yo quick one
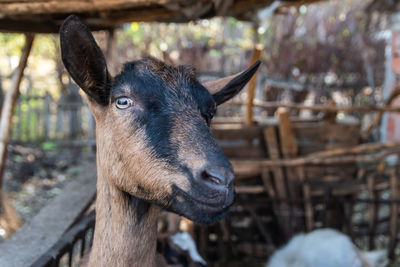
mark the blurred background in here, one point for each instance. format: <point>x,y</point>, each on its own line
<point>327,88</point>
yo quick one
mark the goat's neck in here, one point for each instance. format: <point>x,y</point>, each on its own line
<point>126,228</point>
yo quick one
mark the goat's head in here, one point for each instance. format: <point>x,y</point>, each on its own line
<point>152,123</point>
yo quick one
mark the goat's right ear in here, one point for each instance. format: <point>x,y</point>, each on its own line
<point>84,60</point>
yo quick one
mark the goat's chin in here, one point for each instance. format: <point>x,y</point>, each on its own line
<point>198,214</point>
<point>199,210</point>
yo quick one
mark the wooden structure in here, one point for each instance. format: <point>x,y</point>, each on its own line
<point>47,16</point>
<point>295,176</point>
<point>292,175</point>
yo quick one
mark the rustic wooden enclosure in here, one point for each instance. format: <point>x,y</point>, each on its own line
<point>292,175</point>
<point>296,176</point>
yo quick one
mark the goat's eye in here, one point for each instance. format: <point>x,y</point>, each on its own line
<point>123,102</point>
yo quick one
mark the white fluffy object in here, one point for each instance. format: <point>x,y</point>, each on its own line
<point>324,248</point>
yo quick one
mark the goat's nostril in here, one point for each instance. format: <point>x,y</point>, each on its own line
<point>212,178</point>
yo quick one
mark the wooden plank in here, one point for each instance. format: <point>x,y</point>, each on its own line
<point>394,213</point>
<point>249,189</point>
<point>236,132</point>
<point>245,151</point>
<point>45,229</point>
<point>251,88</point>
<point>349,188</point>
<point>372,211</point>
<point>273,150</point>
<point>308,209</point>
<point>289,149</point>
<point>287,137</point>
<point>308,130</point>
<point>274,154</point>
<point>324,133</point>
<point>267,181</point>
<point>326,108</point>
<point>310,160</point>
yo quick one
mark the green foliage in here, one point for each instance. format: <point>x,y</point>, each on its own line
<point>45,46</point>
<point>48,146</point>
<point>11,44</point>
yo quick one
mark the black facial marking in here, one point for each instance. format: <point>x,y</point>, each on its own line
<point>170,96</point>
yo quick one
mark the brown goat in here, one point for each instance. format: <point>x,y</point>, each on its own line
<point>154,147</point>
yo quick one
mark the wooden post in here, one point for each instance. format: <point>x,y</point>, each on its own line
<point>1,95</point>
<point>372,211</point>
<point>47,101</point>
<point>8,216</point>
<point>394,192</point>
<point>307,198</point>
<point>282,207</point>
<point>252,86</point>
<point>286,134</point>
<point>9,103</point>
<point>289,150</point>
<point>110,47</point>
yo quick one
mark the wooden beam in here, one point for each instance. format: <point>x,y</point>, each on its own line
<point>9,103</point>
<point>334,156</point>
<point>372,211</point>
<point>47,15</point>
<point>271,140</point>
<point>251,88</point>
<point>346,109</point>
<point>287,137</point>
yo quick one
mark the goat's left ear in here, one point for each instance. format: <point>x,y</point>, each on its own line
<point>84,60</point>
<point>225,88</point>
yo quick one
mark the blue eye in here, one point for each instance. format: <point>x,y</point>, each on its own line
<point>123,102</point>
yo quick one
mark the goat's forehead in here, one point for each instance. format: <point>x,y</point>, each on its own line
<point>153,76</point>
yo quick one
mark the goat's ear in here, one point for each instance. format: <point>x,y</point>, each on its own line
<point>225,88</point>
<point>84,60</point>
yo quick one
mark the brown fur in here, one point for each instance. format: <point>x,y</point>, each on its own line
<point>120,239</point>
<point>155,151</point>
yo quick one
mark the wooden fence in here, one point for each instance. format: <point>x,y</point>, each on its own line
<point>39,118</point>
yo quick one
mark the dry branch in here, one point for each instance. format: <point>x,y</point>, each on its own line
<point>336,156</point>
<point>8,217</point>
<point>364,109</point>
<point>9,103</point>
<point>379,116</point>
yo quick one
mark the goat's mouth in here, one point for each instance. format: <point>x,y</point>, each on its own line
<point>199,208</point>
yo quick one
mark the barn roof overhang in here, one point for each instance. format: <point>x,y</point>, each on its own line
<point>46,16</point>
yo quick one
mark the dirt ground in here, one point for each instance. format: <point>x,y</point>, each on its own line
<point>36,173</point>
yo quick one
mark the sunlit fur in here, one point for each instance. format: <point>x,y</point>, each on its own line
<point>166,133</point>
<point>156,153</point>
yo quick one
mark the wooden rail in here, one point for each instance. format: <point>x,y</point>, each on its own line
<point>347,109</point>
